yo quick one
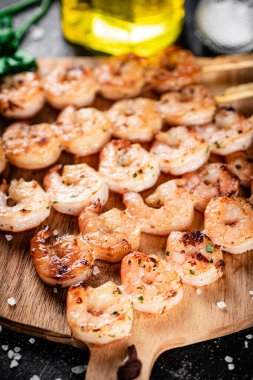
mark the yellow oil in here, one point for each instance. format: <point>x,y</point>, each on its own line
<point>117,27</point>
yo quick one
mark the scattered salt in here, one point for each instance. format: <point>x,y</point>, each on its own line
<point>32,341</point>
<point>246,344</point>
<point>8,237</point>
<point>198,291</point>
<point>231,367</point>
<point>249,336</point>
<point>79,369</point>
<point>251,292</point>
<point>228,359</point>
<point>14,363</point>
<point>35,377</point>
<point>17,349</point>
<point>10,354</point>
<point>17,356</point>
<point>5,347</point>
<point>55,290</point>
<point>55,232</point>
<point>37,33</point>
<point>11,301</point>
<point>221,305</point>
<point>96,271</point>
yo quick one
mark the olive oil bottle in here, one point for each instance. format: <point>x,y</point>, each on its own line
<point>117,27</point>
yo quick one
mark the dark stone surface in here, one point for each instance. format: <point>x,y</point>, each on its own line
<point>203,361</point>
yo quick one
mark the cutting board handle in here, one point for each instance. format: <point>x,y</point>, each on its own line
<point>105,360</point>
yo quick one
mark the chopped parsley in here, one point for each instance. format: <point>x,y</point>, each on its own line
<point>210,248</point>
<point>167,253</point>
<point>141,299</point>
<point>191,271</point>
<point>238,166</point>
<point>135,175</point>
<point>217,144</point>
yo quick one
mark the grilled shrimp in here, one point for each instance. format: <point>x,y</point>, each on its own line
<point>120,77</point>
<point>65,261</point>
<point>188,106</point>
<point>229,223</point>
<point>21,95</point>
<point>175,69</point>
<point>99,315</point>
<point>31,205</point>
<point>111,235</point>
<point>136,120</point>
<point>175,212</point>
<point>2,157</point>
<point>151,283</point>
<point>211,181</point>
<point>127,166</point>
<point>71,85</point>
<point>180,150</point>
<point>229,133</point>
<point>193,255</point>
<point>84,131</point>
<point>241,164</point>
<point>77,187</point>
<point>31,146</point>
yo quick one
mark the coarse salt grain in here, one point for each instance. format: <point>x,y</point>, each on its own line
<point>221,305</point>
<point>251,292</point>
<point>55,290</point>
<point>79,369</point>
<point>14,363</point>
<point>10,354</point>
<point>198,291</point>
<point>35,377</point>
<point>96,271</point>
<point>8,237</point>
<point>17,356</point>
<point>55,232</point>
<point>246,344</point>
<point>11,301</point>
<point>231,367</point>
<point>5,347</point>
<point>249,336</point>
<point>228,359</point>
<point>37,33</point>
<point>32,341</point>
<point>17,349</point>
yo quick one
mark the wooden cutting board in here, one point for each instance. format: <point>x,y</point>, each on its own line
<point>41,312</point>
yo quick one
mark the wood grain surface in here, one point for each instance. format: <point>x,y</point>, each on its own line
<point>41,312</point>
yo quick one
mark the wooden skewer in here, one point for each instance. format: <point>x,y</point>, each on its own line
<point>233,93</point>
<point>226,63</point>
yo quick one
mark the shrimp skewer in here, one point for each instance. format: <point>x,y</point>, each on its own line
<point>229,223</point>
<point>65,261</point>
<point>110,235</point>
<point>188,106</point>
<point>31,146</point>
<point>136,120</point>
<point>71,85</point>
<point>151,283</point>
<point>32,206</point>
<point>84,131</point>
<point>193,255</point>
<point>175,208</point>
<point>21,95</point>
<point>180,150</point>
<point>127,166</point>
<point>211,181</point>
<point>77,187</point>
<point>99,315</point>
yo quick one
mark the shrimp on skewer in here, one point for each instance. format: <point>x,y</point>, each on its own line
<point>127,166</point>
<point>65,261</point>
<point>180,150</point>
<point>151,283</point>
<point>188,106</point>
<point>99,315</point>
<point>175,212</point>
<point>175,69</point>
<point>241,164</point>
<point>77,187</point>
<point>31,146</point>
<point>229,223</point>
<point>84,131</point>
<point>70,85</point>
<point>21,95</point>
<point>111,235</point>
<point>2,157</point>
<point>211,181</point>
<point>229,133</point>
<point>120,77</point>
<point>32,205</point>
<point>136,120</point>
<point>193,255</point>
